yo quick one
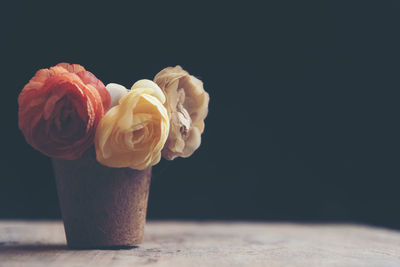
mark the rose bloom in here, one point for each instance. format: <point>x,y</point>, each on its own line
<point>60,108</point>
<point>133,133</point>
<point>187,105</point>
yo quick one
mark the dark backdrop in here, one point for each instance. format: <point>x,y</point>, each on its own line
<point>303,121</point>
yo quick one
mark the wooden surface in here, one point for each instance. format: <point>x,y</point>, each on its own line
<point>42,243</point>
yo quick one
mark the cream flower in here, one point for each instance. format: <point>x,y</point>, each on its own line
<point>187,105</point>
<point>116,92</point>
<point>133,133</point>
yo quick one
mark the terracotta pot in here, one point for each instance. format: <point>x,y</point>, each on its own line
<point>101,207</point>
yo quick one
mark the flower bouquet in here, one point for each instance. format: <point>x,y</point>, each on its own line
<point>103,141</point>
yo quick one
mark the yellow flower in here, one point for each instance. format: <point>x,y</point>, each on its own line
<point>133,133</point>
<point>187,105</point>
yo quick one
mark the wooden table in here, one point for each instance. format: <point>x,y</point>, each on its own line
<point>42,243</point>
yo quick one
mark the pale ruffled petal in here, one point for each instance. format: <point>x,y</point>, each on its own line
<point>187,104</point>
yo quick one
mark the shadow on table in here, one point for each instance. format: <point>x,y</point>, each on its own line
<point>39,247</point>
<point>13,246</point>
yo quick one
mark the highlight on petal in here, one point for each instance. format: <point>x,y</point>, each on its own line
<point>156,90</point>
<point>116,92</point>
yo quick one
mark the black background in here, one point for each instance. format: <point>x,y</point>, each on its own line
<point>304,114</point>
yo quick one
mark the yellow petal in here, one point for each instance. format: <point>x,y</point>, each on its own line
<point>148,84</point>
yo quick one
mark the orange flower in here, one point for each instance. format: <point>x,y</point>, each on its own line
<point>60,108</point>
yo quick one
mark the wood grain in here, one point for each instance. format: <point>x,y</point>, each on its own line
<point>42,243</point>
